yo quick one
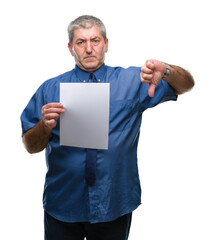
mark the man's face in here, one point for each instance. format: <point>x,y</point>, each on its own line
<point>88,48</point>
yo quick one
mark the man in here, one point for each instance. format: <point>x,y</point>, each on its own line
<point>77,206</point>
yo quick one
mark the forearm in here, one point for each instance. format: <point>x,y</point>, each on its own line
<point>180,79</point>
<point>36,138</point>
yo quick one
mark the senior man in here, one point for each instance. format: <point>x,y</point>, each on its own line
<point>92,192</point>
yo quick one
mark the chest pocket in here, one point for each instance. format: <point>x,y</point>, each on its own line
<point>121,113</point>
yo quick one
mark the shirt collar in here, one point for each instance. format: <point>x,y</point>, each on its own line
<point>83,76</point>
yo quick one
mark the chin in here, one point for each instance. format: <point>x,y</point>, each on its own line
<point>92,67</point>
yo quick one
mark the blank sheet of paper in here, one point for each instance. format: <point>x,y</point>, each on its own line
<point>85,122</point>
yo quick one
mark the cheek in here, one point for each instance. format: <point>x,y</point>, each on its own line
<point>80,53</point>
<point>101,52</point>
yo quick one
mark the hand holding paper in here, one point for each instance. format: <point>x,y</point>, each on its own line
<point>50,113</point>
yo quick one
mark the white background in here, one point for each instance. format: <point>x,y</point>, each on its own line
<point>176,149</point>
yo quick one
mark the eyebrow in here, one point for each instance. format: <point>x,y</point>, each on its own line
<point>82,39</point>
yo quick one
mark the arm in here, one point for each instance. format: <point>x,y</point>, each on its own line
<point>153,70</point>
<point>37,138</point>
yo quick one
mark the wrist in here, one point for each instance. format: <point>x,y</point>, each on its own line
<point>167,71</point>
<point>46,129</point>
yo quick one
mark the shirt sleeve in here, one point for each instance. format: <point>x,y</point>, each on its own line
<point>163,92</point>
<point>32,113</point>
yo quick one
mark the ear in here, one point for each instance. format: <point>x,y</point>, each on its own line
<point>106,45</point>
<point>70,49</point>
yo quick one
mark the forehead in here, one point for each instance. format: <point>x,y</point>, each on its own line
<point>87,33</point>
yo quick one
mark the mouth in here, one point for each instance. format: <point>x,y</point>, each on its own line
<point>89,57</point>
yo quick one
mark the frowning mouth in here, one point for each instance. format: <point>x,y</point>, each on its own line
<point>89,57</point>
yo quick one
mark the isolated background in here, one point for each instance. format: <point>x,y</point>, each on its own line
<point>176,149</point>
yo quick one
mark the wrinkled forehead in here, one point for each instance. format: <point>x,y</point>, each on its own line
<point>87,33</point>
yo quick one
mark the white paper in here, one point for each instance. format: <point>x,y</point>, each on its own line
<point>85,122</point>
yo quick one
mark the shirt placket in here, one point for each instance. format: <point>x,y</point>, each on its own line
<point>94,200</point>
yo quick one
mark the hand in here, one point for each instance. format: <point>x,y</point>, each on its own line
<point>50,114</point>
<point>152,72</point>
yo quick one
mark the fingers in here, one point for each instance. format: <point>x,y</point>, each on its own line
<point>150,64</point>
<point>50,113</point>
<point>151,90</point>
<point>147,71</point>
<point>146,75</point>
<point>52,110</point>
<point>151,73</point>
<point>146,78</point>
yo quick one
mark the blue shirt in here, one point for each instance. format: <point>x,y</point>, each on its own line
<point>116,192</point>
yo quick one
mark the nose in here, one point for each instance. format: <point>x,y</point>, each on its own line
<point>88,47</point>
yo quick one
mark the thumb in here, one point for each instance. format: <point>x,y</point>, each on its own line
<point>151,90</point>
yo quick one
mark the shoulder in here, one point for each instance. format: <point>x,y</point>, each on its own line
<point>49,90</point>
<point>64,77</point>
<point>122,70</point>
<point>129,73</point>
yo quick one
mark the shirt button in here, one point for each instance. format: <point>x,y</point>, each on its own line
<point>84,81</point>
<point>99,80</point>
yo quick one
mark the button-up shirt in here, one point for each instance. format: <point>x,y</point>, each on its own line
<point>67,197</point>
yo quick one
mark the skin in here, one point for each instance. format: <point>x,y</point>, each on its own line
<point>153,70</point>
<point>89,48</point>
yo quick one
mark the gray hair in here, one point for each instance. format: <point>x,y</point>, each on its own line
<point>85,21</point>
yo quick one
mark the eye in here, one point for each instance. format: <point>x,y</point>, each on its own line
<point>80,43</point>
<point>95,41</point>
